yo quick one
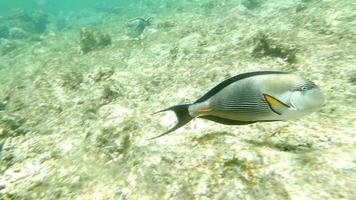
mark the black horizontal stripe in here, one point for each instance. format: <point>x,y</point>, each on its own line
<point>246,107</point>
<point>228,81</point>
<point>247,104</point>
<point>247,96</point>
<point>250,104</point>
<point>247,111</point>
<point>250,100</point>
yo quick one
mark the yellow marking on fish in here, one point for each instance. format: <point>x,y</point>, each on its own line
<point>205,110</point>
<point>273,101</point>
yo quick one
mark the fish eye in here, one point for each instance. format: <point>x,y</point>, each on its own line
<point>304,88</point>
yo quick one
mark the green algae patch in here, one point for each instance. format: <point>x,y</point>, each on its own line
<point>264,45</point>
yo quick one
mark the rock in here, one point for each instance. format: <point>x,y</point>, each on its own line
<point>265,45</point>
<point>18,14</point>
<point>6,46</point>
<point>17,33</point>
<point>102,74</point>
<point>113,114</point>
<point>165,25</point>
<point>4,32</point>
<point>352,76</point>
<point>10,122</point>
<point>190,41</point>
<point>251,4</point>
<point>35,22</point>
<point>71,79</point>
<point>61,24</point>
<point>210,5</point>
<point>40,20</point>
<point>2,184</point>
<point>91,39</point>
<point>3,133</point>
<point>108,93</point>
<point>300,7</point>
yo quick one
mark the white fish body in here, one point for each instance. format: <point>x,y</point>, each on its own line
<point>265,97</point>
<point>253,97</point>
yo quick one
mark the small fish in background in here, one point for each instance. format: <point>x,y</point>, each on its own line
<point>260,96</point>
<point>135,27</point>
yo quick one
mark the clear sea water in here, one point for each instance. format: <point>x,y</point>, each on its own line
<point>80,79</point>
<point>55,6</point>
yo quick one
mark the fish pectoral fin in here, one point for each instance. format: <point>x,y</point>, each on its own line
<point>275,105</point>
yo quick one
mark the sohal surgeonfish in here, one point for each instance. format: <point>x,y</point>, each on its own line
<point>260,96</point>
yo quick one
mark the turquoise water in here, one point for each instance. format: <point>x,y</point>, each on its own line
<point>53,6</point>
<point>79,81</point>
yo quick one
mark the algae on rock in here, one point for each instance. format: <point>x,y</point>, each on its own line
<point>91,39</point>
<point>265,45</point>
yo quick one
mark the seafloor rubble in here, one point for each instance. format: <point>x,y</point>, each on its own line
<point>75,126</point>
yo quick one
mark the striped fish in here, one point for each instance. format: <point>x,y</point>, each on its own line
<point>260,96</point>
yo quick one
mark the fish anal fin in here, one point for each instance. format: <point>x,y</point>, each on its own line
<point>225,121</point>
<point>275,105</point>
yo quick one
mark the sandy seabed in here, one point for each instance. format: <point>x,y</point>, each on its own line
<point>75,126</point>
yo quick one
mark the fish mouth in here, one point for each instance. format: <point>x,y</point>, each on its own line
<point>292,104</point>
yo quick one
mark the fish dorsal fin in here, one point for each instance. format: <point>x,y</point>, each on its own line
<point>233,79</point>
<point>276,105</point>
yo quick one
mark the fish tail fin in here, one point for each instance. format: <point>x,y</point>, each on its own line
<point>149,20</point>
<point>183,117</point>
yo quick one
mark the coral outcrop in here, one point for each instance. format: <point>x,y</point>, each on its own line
<point>91,39</point>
